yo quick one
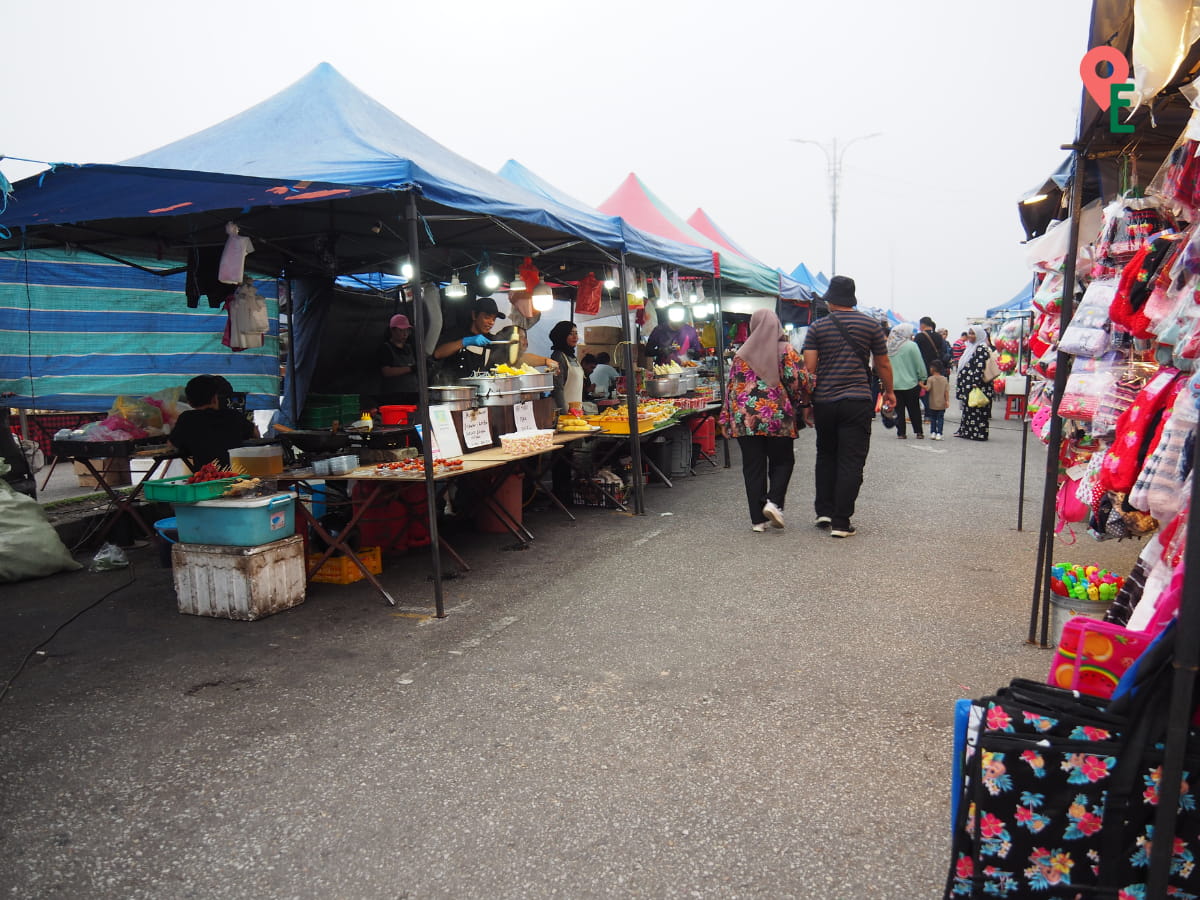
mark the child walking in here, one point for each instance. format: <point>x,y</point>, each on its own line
<point>937,389</point>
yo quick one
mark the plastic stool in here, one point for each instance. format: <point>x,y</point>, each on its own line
<point>1014,406</point>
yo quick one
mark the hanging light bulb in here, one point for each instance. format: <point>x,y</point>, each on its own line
<point>491,280</point>
<point>543,298</point>
<point>609,284</point>
<point>406,270</point>
<point>517,284</point>
<point>456,290</point>
<point>675,314</point>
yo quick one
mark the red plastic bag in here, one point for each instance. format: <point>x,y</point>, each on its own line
<point>587,296</point>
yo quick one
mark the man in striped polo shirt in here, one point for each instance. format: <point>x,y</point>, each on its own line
<point>839,349</point>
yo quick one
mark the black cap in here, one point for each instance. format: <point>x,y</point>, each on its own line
<point>487,305</point>
<point>840,291</point>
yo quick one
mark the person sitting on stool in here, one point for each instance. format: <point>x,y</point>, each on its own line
<point>208,430</point>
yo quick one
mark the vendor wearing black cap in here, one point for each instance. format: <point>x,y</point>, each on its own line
<point>206,432</point>
<point>397,365</point>
<point>467,350</point>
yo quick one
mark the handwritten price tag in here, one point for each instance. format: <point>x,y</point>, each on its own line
<point>477,428</point>
<point>523,416</point>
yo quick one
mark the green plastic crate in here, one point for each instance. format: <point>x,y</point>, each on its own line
<point>173,490</point>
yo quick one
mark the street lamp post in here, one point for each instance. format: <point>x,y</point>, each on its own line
<point>834,157</point>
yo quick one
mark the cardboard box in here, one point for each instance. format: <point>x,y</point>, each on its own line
<point>114,471</point>
<point>583,350</point>
<point>602,334</point>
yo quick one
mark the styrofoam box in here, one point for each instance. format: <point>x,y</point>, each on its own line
<point>245,583</point>
<point>237,522</point>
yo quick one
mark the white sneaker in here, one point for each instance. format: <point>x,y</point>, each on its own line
<point>760,527</point>
<point>823,521</point>
<point>774,513</point>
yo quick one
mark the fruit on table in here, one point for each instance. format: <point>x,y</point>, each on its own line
<point>209,472</point>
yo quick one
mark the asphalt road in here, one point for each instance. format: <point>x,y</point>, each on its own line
<point>668,706</point>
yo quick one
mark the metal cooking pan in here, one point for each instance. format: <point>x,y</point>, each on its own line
<point>448,393</point>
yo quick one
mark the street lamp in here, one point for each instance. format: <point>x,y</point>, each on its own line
<point>834,157</point>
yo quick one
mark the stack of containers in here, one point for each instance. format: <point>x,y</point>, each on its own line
<point>237,558</point>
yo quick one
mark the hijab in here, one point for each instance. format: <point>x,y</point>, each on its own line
<point>558,338</point>
<point>900,335</point>
<point>980,343</point>
<point>764,346</point>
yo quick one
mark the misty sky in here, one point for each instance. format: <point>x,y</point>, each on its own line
<point>701,99</point>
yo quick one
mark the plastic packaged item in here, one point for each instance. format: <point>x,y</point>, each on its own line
<point>1081,397</point>
<point>1088,333</point>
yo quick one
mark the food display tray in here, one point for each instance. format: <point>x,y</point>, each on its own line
<point>173,490</point>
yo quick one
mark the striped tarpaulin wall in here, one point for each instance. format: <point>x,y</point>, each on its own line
<point>77,330</point>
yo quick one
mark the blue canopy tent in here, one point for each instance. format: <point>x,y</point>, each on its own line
<point>1021,301</point>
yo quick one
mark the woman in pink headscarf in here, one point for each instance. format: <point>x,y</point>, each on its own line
<point>768,386</point>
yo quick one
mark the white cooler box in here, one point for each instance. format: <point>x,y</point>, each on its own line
<point>244,583</point>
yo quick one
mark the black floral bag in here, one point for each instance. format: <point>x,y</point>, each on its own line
<point>1059,794</point>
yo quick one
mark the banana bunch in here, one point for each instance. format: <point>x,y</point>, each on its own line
<point>671,368</point>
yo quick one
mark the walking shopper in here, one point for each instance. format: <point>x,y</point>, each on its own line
<point>976,369</point>
<point>767,389</point>
<point>958,348</point>
<point>937,392</point>
<point>839,349</point>
<point>908,371</point>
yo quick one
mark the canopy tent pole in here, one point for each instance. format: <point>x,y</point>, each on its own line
<point>1041,589</point>
<point>1024,429</point>
<point>720,318</point>
<point>412,218</point>
<point>635,441</point>
<point>291,350</point>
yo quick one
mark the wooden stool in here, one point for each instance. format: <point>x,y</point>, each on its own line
<point>1014,406</point>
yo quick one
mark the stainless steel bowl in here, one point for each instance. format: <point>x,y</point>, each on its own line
<point>457,404</point>
<point>542,381</point>
<point>663,386</point>
<point>441,394</point>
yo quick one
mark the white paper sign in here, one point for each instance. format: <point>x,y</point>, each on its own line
<point>523,416</point>
<point>444,433</point>
<point>477,428</point>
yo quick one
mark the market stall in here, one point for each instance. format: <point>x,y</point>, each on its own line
<point>1117,404</point>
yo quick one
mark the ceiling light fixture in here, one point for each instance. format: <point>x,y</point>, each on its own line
<point>491,280</point>
<point>543,298</point>
<point>675,314</point>
<point>456,290</point>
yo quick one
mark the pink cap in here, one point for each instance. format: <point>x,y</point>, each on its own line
<point>399,321</point>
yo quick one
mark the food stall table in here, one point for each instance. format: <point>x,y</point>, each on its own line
<point>526,462</point>
<point>370,476</point>
<point>84,452</point>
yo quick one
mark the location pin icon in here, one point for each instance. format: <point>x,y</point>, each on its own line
<point>1098,85</point>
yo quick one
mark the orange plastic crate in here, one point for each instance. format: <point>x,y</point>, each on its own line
<point>342,570</point>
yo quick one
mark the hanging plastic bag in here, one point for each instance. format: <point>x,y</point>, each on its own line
<point>977,399</point>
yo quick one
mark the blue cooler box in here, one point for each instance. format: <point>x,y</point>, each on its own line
<point>237,522</point>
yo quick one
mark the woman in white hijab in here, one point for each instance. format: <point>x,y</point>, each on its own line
<point>908,371</point>
<point>767,388</point>
<point>974,372</point>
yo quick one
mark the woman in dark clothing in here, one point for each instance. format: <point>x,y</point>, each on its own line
<point>972,373</point>
<point>568,380</point>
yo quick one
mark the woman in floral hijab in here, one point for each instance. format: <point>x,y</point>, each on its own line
<point>768,386</point>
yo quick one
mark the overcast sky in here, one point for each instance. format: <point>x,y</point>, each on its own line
<point>701,99</point>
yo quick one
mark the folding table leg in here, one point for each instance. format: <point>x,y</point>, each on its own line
<point>334,544</point>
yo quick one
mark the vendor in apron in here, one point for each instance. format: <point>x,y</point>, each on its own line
<point>568,380</point>
<point>464,351</point>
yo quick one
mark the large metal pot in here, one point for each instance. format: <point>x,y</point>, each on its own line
<point>663,386</point>
<point>492,384</point>
<point>542,381</point>
<point>440,394</point>
<point>501,398</point>
<point>688,381</point>
<point>457,404</point>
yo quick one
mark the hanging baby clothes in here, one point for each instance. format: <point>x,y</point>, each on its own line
<point>247,319</point>
<point>233,257</point>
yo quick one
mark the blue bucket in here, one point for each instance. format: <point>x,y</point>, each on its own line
<point>169,533</point>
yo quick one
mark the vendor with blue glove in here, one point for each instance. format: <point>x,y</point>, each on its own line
<point>464,351</point>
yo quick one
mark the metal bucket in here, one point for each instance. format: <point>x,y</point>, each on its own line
<point>688,381</point>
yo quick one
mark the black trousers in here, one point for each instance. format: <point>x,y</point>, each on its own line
<point>767,464</point>
<point>910,401</point>
<point>843,441</point>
